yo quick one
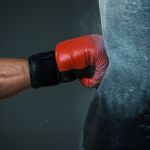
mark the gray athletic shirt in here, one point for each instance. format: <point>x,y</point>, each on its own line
<point>121,105</point>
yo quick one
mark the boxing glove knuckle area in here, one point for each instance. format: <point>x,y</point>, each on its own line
<point>81,58</point>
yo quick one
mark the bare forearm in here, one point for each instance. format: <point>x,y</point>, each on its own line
<point>14,76</point>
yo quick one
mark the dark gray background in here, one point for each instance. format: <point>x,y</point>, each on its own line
<point>48,118</point>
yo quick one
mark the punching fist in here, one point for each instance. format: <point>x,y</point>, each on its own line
<point>81,53</point>
<point>83,57</point>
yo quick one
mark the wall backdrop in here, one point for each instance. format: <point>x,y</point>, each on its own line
<point>49,118</point>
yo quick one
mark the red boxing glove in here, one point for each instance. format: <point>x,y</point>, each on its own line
<point>80,53</point>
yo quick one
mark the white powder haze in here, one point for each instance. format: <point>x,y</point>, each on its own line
<point>123,97</point>
<point>126,31</point>
<point>89,21</point>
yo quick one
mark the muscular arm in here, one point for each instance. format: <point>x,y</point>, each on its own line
<point>14,76</point>
<point>50,68</point>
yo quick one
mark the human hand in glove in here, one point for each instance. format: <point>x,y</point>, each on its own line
<point>82,58</point>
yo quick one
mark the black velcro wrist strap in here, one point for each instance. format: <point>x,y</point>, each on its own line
<point>43,69</point>
<point>74,74</point>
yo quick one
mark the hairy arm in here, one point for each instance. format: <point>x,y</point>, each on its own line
<point>14,76</point>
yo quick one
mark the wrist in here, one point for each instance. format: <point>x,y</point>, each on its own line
<point>27,83</point>
<point>43,69</point>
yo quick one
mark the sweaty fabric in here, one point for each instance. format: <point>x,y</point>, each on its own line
<point>118,117</point>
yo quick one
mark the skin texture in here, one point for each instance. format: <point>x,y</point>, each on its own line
<point>14,76</point>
